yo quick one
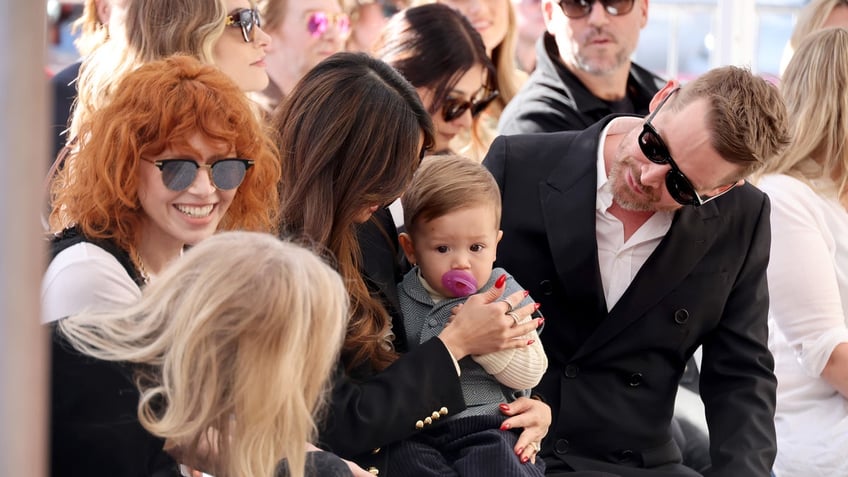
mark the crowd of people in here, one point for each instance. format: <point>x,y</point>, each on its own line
<point>317,238</point>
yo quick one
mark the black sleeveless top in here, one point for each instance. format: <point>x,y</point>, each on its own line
<point>72,236</point>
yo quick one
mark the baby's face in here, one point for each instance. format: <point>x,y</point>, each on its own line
<point>465,239</point>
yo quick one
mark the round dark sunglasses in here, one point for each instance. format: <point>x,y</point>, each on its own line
<point>653,147</point>
<point>179,174</point>
<point>580,8</point>
<point>453,108</point>
<point>246,19</point>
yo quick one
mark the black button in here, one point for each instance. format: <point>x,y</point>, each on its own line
<point>681,316</point>
<point>572,370</point>
<point>547,287</point>
<point>627,456</point>
<point>635,380</point>
<point>561,446</point>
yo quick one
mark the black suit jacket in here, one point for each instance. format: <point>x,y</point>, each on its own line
<point>612,376</point>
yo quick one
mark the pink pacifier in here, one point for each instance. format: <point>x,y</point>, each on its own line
<point>459,283</point>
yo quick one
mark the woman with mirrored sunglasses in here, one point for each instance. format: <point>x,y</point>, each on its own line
<point>438,50</point>
<point>185,156</point>
<point>304,33</point>
<point>224,33</point>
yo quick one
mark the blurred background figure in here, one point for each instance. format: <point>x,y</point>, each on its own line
<point>815,15</point>
<point>495,21</point>
<point>367,18</point>
<point>438,50</point>
<point>99,20</point>
<point>303,33</point>
<point>808,268</point>
<point>530,25</point>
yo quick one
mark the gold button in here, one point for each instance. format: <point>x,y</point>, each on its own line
<point>419,425</point>
<point>376,451</point>
<point>443,411</point>
<point>436,415</point>
<point>373,471</point>
<point>427,420</point>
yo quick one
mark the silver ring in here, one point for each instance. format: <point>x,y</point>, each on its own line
<point>509,307</point>
<point>515,317</point>
<point>536,447</point>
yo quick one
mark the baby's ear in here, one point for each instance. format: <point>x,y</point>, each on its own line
<point>500,236</point>
<point>408,249</point>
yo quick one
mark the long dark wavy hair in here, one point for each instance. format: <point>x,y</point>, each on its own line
<point>349,137</point>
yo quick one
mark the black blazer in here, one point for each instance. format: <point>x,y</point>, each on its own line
<point>612,376</point>
<point>370,410</point>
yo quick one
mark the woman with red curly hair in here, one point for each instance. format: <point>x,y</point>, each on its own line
<point>177,155</point>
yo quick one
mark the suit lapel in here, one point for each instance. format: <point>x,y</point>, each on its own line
<point>685,244</point>
<point>570,224</point>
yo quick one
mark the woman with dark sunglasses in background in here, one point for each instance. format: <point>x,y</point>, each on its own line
<point>438,50</point>
<point>496,22</point>
<point>177,155</point>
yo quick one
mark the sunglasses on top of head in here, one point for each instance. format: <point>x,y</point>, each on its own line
<point>653,147</point>
<point>580,8</point>
<point>318,22</point>
<point>452,108</point>
<point>247,19</point>
<point>179,174</point>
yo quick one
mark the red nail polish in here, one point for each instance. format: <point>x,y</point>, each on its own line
<point>525,459</point>
<point>530,342</point>
<point>505,426</point>
<point>501,281</point>
<point>504,407</point>
<point>536,306</point>
<point>541,322</point>
<point>526,293</point>
<point>519,451</point>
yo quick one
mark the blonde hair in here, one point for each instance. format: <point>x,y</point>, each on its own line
<point>92,31</point>
<point>444,184</point>
<point>813,88</point>
<point>155,29</point>
<point>240,336</point>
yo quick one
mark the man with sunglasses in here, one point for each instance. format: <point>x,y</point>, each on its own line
<point>583,68</point>
<point>642,242</point>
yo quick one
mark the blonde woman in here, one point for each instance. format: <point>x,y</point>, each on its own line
<point>240,336</point>
<point>816,15</point>
<point>808,268</point>
<point>224,33</point>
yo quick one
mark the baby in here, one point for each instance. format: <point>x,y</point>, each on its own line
<point>452,214</point>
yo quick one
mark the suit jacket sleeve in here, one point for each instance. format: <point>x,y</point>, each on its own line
<point>371,413</point>
<point>737,377</point>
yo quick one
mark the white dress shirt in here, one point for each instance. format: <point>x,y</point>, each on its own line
<point>808,292</point>
<point>621,260</point>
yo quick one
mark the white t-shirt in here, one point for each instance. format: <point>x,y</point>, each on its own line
<point>808,292</point>
<point>85,276</point>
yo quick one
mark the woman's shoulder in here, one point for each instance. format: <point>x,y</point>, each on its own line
<point>84,275</point>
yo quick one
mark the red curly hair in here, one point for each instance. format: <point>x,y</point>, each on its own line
<point>162,105</point>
